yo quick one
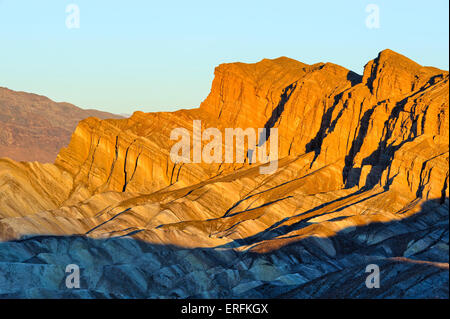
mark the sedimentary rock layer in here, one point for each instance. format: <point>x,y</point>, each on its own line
<point>362,176</point>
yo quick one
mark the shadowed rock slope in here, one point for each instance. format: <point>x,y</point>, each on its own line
<point>128,268</point>
<point>363,176</point>
<point>34,128</point>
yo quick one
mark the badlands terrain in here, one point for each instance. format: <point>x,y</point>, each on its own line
<point>363,175</point>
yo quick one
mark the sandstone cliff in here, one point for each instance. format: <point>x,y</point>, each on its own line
<point>354,151</point>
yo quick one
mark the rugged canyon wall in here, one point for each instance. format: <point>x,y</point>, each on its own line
<point>355,153</point>
<point>387,129</point>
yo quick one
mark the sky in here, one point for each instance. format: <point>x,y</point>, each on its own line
<point>132,55</point>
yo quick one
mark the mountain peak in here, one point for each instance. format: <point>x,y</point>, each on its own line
<point>350,168</point>
<point>390,54</point>
<point>393,74</point>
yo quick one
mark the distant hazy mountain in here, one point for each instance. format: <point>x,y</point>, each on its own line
<point>35,128</point>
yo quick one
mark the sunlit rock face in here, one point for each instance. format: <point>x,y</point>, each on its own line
<point>362,179</point>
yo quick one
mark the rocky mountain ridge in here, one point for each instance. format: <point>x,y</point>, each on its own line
<point>362,176</point>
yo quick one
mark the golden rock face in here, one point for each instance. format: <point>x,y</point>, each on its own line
<point>353,150</point>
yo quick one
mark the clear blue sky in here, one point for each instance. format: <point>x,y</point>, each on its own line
<point>160,55</point>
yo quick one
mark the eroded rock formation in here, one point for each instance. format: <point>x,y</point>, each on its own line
<point>362,177</point>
